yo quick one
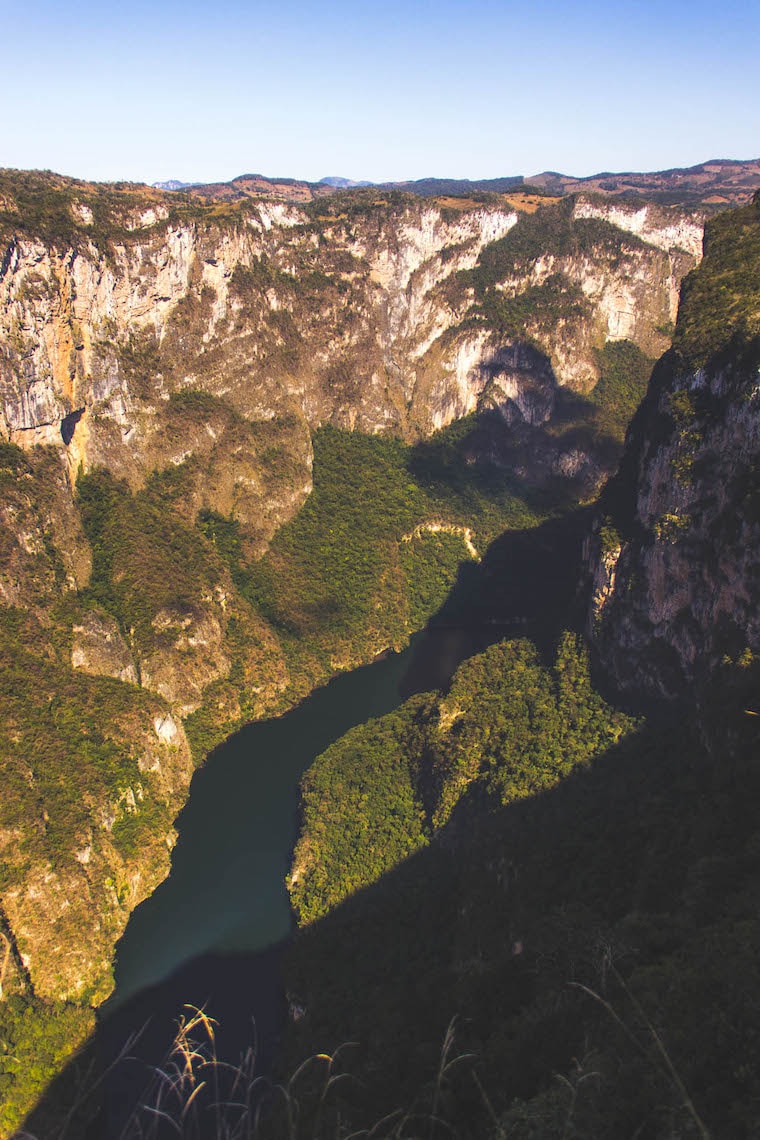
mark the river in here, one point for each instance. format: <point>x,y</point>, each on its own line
<point>226,890</point>
<point>212,934</point>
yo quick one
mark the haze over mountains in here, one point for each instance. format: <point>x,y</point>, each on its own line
<point>716,183</point>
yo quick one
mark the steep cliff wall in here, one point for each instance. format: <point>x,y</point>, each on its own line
<point>93,773</point>
<point>374,316</point>
<point>163,365</point>
<point>676,559</point>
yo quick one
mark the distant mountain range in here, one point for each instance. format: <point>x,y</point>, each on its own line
<point>717,183</point>
<point>343,183</point>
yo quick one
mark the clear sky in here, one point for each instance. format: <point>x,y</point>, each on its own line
<point>382,90</point>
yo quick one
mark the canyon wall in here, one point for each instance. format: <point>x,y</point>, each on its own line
<point>675,558</point>
<point>371,318</point>
<point>191,349</point>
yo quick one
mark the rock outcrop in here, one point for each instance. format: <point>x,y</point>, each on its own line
<point>364,318</point>
<point>676,558</point>
<point>99,649</point>
<point>94,771</point>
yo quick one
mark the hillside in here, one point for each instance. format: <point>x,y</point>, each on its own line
<point>535,914</point>
<point>718,183</point>
<point>250,444</point>
<point>711,185</point>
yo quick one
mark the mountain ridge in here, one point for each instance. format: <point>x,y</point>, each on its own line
<point>715,183</point>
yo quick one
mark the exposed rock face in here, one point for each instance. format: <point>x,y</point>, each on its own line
<point>359,320</point>
<point>66,906</point>
<point>192,350</point>
<point>681,593</point>
<point>43,548</point>
<point>313,333</point>
<point>676,562</point>
<point>99,649</point>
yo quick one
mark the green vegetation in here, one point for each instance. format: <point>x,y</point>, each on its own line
<point>577,963</point>
<point>430,563</point>
<point>325,567</point>
<point>70,752</point>
<point>36,1039</point>
<point>546,309</point>
<point>362,814</point>
<point>13,461</point>
<point>624,376</point>
<point>609,539</point>
<point>144,558</point>
<point>538,307</point>
<point>594,940</point>
<point>370,558</point>
<point>550,231</point>
<point>340,576</point>
<point>517,727</point>
<point>720,302</point>
<point>563,896</point>
<point>66,211</point>
<point>689,434</point>
<point>67,744</point>
<point>468,490</point>
<point>508,724</point>
<point>70,212</point>
<point>597,423</point>
<point>350,205</point>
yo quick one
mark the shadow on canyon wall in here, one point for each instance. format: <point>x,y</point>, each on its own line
<point>526,585</point>
<point>635,879</point>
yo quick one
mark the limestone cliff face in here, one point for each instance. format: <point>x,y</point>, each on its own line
<point>98,647</point>
<point>271,314</point>
<point>363,318</point>
<point>676,560</point>
<point>44,549</point>
<point>191,350</point>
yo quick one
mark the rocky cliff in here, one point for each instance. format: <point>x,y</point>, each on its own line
<point>631,882</point>
<point>356,312</point>
<point>164,362</point>
<point>675,560</point>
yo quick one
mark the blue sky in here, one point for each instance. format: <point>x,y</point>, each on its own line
<point>384,91</point>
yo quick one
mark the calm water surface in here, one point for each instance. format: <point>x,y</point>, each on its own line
<point>226,890</point>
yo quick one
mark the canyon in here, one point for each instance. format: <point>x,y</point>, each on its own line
<point>171,364</point>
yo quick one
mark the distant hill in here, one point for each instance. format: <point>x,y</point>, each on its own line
<point>172,184</point>
<point>456,187</point>
<point>342,183</point>
<point>714,184</point>
<point>719,182</point>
